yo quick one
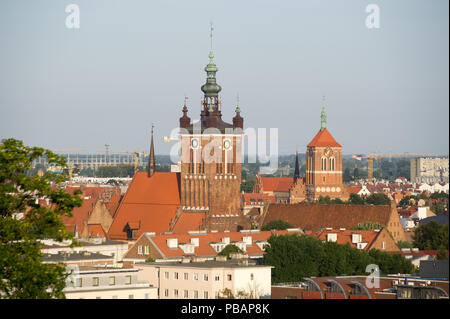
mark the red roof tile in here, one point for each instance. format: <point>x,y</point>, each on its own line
<point>270,184</point>
<point>189,221</point>
<point>345,236</point>
<point>96,230</point>
<point>151,201</point>
<point>323,139</point>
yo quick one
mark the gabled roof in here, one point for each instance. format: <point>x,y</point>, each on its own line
<point>189,221</point>
<point>345,236</point>
<point>271,184</point>
<point>150,201</point>
<point>79,216</point>
<point>317,216</point>
<point>96,230</point>
<point>204,248</point>
<point>323,139</point>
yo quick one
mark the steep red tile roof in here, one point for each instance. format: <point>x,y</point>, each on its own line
<point>345,236</point>
<point>354,189</point>
<point>317,216</point>
<point>323,139</point>
<point>150,201</point>
<point>96,230</point>
<point>205,249</point>
<point>80,215</point>
<point>113,203</point>
<point>284,185</point>
<point>189,221</point>
<point>270,184</point>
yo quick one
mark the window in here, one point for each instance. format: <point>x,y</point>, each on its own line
<point>98,297</point>
<point>130,296</point>
<point>205,295</point>
<point>186,294</point>
<point>205,277</point>
<point>79,282</point>
<point>217,295</point>
<point>139,250</point>
<point>127,280</point>
<point>252,277</point>
<point>147,296</point>
<point>175,293</point>
<point>186,276</point>
<point>195,294</point>
<point>95,281</point>
<point>175,275</point>
<point>384,245</point>
<point>229,277</point>
<point>114,297</point>
<point>195,276</point>
<point>217,277</point>
<point>147,250</point>
<point>166,275</point>
<point>112,281</point>
<point>166,292</point>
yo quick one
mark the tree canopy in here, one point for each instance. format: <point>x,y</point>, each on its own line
<point>230,248</point>
<point>298,256</point>
<point>24,221</point>
<point>431,236</point>
<point>276,224</point>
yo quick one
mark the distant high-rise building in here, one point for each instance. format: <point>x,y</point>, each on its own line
<point>429,170</point>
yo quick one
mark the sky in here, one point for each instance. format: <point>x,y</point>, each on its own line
<point>131,63</point>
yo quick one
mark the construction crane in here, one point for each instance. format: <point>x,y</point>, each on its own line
<point>136,155</point>
<point>371,157</point>
<point>69,163</point>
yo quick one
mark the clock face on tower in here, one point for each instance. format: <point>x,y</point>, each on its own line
<point>194,143</point>
<point>328,152</point>
<point>226,144</point>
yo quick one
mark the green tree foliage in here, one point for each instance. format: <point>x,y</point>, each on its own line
<point>442,254</point>
<point>356,200</point>
<point>297,256</point>
<point>230,248</point>
<point>24,221</point>
<point>347,176</point>
<point>378,199</point>
<point>276,224</point>
<point>431,236</point>
<point>247,186</point>
<point>404,244</point>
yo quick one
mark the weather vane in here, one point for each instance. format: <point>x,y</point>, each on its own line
<point>211,34</point>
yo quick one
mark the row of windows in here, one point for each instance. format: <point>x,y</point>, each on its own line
<point>96,281</point>
<point>195,276</point>
<point>146,296</point>
<point>324,163</point>
<point>194,294</point>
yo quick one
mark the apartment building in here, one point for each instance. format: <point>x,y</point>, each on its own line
<point>197,278</point>
<point>107,283</point>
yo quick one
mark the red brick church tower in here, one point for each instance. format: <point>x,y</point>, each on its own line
<point>324,165</point>
<point>211,159</point>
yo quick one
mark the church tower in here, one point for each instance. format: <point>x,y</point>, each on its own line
<point>324,165</point>
<point>211,156</point>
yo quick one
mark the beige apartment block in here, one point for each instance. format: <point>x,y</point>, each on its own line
<point>196,279</point>
<point>107,283</point>
<point>429,170</point>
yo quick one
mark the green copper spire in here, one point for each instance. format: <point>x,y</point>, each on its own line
<point>211,88</point>
<point>323,117</point>
<point>238,109</point>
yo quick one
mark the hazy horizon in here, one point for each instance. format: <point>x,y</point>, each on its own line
<point>131,63</point>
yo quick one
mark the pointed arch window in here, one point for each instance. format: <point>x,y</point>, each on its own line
<point>332,163</point>
<point>323,164</point>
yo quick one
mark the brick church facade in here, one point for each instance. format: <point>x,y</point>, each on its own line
<point>211,160</point>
